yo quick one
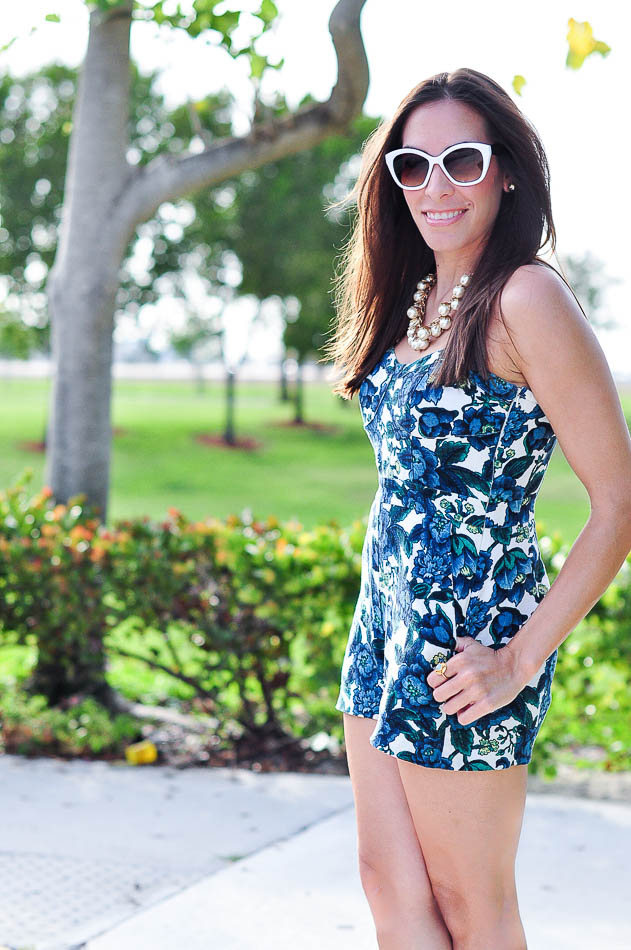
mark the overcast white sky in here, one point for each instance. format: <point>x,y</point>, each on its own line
<point>581,116</point>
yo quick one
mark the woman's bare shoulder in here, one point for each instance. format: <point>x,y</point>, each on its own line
<point>568,373</point>
<point>536,306</point>
<point>536,286</point>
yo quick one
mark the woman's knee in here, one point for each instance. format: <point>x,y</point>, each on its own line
<point>405,911</point>
<point>479,918</point>
<point>425,934</point>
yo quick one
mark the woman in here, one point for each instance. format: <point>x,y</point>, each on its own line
<point>471,356</point>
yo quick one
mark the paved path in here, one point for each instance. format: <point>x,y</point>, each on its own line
<point>112,857</point>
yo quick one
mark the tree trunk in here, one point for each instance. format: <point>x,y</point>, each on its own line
<point>54,678</point>
<point>229,431</point>
<point>298,395</point>
<point>83,281</point>
<point>283,387</point>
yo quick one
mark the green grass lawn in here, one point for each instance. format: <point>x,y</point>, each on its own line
<point>308,473</point>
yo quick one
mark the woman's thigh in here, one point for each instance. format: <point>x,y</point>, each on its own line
<point>468,825</point>
<point>387,840</point>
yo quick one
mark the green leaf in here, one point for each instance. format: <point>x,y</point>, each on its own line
<point>530,695</point>
<point>225,23</point>
<point>267,12</point>
<point>476,521</point>
<point>407,756</point>
<point>521,711</point>
<point>460,541</point>
<point>501,533</point>
<point>7,45</point>
<point>53,18</point>
<point>517,466</point>
<point>14,38</point>
<point>469,478</point>
<point>420,591</point>
<point>510,560</point>
<point>462,740</point>
<point>257,65</point>
<point>450,452</point>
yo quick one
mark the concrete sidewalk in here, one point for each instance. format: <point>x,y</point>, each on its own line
<point>115,857</point>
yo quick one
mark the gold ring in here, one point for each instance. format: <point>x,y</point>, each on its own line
<point>441,668</point>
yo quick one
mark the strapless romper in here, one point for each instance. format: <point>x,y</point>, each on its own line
<point>450,550</point>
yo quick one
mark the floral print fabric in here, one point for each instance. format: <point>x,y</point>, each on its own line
<point>450,550</point>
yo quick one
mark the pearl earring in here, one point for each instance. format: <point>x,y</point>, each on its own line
<point>511,187</point>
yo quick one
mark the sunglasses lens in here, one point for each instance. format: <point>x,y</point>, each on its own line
<point>410,169</point>
<point>465,164</point>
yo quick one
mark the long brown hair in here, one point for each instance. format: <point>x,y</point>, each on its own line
<point>386,255</point>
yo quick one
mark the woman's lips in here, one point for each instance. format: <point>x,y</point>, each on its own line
<point>443,222</point>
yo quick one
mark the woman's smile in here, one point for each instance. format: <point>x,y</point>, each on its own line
<point>443,218</point>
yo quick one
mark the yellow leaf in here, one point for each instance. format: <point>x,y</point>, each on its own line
<point>580,37</point>
<point>518,84</point>
<point>581,43</point>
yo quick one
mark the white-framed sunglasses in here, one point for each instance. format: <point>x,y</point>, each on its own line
<point>465,163</point>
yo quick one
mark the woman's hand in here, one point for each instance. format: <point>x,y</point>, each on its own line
<point>479,680</point>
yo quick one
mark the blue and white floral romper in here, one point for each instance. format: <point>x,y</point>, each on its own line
<point>450,550</point>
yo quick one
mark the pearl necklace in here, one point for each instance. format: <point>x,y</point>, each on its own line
<point>419,335</point>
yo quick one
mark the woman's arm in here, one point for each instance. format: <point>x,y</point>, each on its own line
<point>558,353</point>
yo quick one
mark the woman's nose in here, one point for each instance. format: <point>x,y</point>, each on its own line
<point>438,182</point>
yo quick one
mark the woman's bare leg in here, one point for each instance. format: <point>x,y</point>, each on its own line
<point>391,863</point>
<point>469,824</point>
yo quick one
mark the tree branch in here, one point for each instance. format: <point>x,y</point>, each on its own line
<point>154,665</point>
<point>167,178</point>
